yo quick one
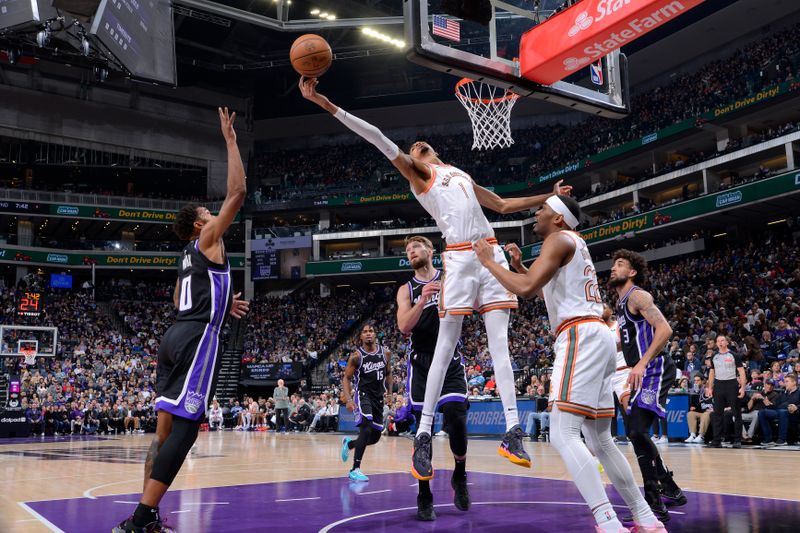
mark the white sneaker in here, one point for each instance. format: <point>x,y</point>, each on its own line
<point>700,440</point>
<point>691,438</point>
<point>654,438</point>
<point>663,440</point>
<point>441,433</point>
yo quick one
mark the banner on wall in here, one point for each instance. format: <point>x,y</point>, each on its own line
<point>79,259</point>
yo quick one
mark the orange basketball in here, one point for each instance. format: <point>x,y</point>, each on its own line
<point>311,55</point>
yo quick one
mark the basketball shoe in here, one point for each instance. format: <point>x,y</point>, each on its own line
<point>421,467</point>
<point>157,526</point>
<point>461,497</point>
<point>513,449</point>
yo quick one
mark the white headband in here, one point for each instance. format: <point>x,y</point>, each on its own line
<point>561,208</point>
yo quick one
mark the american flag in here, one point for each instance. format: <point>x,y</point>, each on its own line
<point>447,28</point>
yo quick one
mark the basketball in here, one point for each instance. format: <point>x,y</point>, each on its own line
<point>311,55</point>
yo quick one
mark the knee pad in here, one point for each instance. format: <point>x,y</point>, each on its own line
<point>455,418</point>
<point>174,450</point>
<point>374,437</point>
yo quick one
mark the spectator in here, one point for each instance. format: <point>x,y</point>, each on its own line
<point>699,416</point>
<point>281,397</point>
<point>784,409</point>
<point>215,416</point>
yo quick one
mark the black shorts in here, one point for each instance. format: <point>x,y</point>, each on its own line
<point>186,375</point>
<point>454,388</point>
<point>369,409</point>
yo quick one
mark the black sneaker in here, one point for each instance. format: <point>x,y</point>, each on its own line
<point>652,495</point>
<point>671,491</point>
<point>421,467</point>
<point>461,496</point>
<point>127,526</point>
<point>513,449</point>
<point>714,444</point>
<point>425,512</point>
<point>736,444</point>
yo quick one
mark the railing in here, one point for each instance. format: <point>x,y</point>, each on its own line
<point>25,195</point>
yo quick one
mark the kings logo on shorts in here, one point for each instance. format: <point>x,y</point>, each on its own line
<point>194,401</point>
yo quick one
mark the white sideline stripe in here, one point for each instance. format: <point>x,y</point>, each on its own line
<point>374,492</point>
<point>49,525</point>
<point>298,499</point>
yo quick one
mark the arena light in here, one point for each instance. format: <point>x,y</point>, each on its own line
<point>776,222</point>
<point>720,235</point>
<point>315,11</point>
<point>383,37</point>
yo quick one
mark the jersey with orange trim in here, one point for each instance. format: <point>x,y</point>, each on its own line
<point>450,199</point>
<point>614,327</point>
<point>573,291</point>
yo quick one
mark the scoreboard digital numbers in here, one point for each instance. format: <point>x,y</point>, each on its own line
<point>265,265</point>
<point>30,304</point>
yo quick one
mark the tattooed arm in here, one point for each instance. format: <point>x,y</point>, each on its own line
<point>641,302</point>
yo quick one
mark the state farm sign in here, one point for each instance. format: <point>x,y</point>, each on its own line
<point>588,31</point>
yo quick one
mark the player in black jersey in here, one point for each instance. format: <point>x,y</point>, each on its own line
<point>643,333</point>
<point>418,316</point>
<point>187,356</point>
<point>370,369</point>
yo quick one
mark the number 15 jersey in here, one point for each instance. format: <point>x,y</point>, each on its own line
<point>573,291</point>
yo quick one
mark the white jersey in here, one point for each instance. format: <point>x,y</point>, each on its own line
<point>450,199</point>
<point>573,292</point>
<point>614,327</point>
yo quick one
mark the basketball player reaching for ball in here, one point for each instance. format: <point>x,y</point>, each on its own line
<point>454,201</point>
<point>580,391</point>
<point>643,333</point>
<point>187,368</point>
<point>418,316</point>
<point>619,383</point>
<point>369,366</point>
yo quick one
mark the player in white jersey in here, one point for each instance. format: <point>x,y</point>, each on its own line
<point>585,357</point>
<point>454,201</point>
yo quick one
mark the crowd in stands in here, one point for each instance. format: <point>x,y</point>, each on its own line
<point>326,173</point>
<point>102,379</point>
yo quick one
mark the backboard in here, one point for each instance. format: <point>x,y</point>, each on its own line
<point>489,53</point>
<point>15,340</point>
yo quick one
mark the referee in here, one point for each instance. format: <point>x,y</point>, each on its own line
<point>725,367</point>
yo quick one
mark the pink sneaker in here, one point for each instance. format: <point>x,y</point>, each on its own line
<point>622,530</point>
<point>658,527</point>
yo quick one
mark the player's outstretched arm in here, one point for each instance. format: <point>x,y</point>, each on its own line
<point>349,372</point>
<point>414,171</point>
<point>492,201</point>
<point>641,302</point>
<point>556,249</point>
<point>212,232</point>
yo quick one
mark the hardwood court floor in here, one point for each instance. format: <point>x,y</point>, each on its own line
<point>257,468</point>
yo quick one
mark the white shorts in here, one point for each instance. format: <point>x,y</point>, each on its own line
<point>585,351</point>
<point>619,382</point>
<point>469,286</point>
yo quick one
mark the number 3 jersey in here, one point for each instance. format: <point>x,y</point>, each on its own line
<point>205,288</point>
<point>573,290</point>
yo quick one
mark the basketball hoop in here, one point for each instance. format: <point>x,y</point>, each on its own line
<point>30,355</point>
<point>489,109</point>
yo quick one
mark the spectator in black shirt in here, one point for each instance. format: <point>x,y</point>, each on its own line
<point>758,402</point>
<point>784,409</point>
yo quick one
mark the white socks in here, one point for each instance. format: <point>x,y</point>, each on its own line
<point>449,333</point>
<point>599,441</point>
<point>496,323</point>
<point>565,435</point>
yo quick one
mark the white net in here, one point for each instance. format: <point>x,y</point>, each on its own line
<point>30,357</point>
<point>489,109</point>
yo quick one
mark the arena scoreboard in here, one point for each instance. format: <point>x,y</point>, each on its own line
<point>265,265</point>
<point>30,304</point>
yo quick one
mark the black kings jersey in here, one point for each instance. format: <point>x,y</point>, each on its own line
<point>425,333</point>
<point>205,293</point>
<point>371,374</point>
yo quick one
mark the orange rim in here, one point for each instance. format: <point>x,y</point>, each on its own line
<point>464,81</point>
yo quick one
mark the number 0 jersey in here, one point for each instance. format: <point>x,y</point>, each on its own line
<point>573,291</point>
<point>371,373</point>
<point>450,199</point>
<point>205,287</point>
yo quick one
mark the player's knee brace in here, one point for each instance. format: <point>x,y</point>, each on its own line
<point>455,419</point>
<point>174,450</point>
<point>375,436</point>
